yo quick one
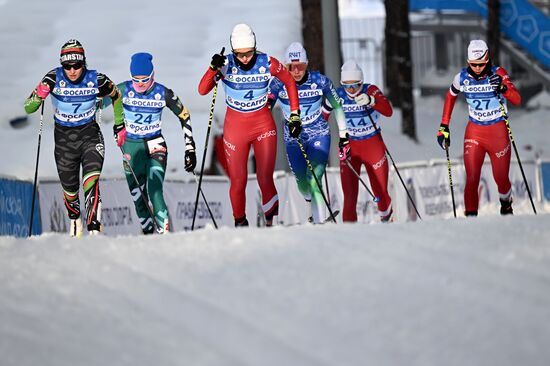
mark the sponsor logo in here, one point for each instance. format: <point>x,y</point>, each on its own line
<point>241,104</point>
<point>294,55</point>
<point>248,78</point>
<point>309,93</point>
<point>185,210</point>
<point>62,83</point>
<point>234,70</point>
<point>229,145</point>
<point>484,115</point>
<point>262,70</point>
<point>136,128</point>
<point>313,86</point>
<point>136,102</point>
<point>76,91</point>
<point>478,88</point>
<point>131,94</point>
<point>90,84</point>
<point>116,216</point>
<point>353,108</point>
<point>503,152</point>
<point>380,163</point>
<point>267,134</point>
<point>157,96</point>
<point>100,149</point>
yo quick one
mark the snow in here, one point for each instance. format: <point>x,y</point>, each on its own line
<point>415,294</point>
<point>443,292</point>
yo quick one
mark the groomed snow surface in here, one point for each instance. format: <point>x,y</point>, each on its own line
<point>453,292</point>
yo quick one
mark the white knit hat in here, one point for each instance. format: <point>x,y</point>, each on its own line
<point>242,37</point>
<point>478,50</point>
<point>351,71</point>
<point>295,53</point>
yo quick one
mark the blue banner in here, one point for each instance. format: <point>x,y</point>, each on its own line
<point>545,175</point>
<point>520,21</point>
<point>15,208</point>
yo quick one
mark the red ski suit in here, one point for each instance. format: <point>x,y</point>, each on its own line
<point>368,149</point>
<point>243,129</point>
<point>486,132</point>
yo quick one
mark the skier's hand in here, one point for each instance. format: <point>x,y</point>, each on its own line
<point>42,90</point>
<point>294,124</point>
<point>365,99</point>
<point>218,60</point>
<point>496,83</point>
<point>444,136</point>
<point>190,159</point>
<point>120,134</point>
<point>344,150</point>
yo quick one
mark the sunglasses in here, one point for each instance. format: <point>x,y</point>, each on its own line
<point>75,66</point>
<point>351,86</point>
<point>244,54</point>
<point>478,65</point>
<point>144,80</point>
<point>297,67</point>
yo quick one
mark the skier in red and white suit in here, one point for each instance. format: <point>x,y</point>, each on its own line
<point>363,103</point>
<point>246,73</point>
<point>486,133</point>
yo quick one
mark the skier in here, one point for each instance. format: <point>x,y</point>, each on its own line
<point>246,73</point>
<point>482,83</point>
<point>363,104</point>
<point>141,140</point>
<point>314,88</point>
<point>78,138</point>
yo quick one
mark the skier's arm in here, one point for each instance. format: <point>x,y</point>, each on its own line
<point>108,88</point>
<point>510,93</point>
<point>32,103</point>
<point>381,104</point>
<point>280,72</point>
<point>209,79</point>
<point>273,94</point>
<point>334,100</point>
<point>450,100</point>
<point>175,105</point>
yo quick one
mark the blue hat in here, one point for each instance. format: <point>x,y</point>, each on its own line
<point>141,64</point>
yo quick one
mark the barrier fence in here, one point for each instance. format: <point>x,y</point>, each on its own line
<point>426,181</point>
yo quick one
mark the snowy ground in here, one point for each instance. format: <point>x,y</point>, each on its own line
<point>455,292</point>
<point>444,292</point>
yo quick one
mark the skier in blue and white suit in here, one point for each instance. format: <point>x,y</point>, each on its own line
<point>314,89</point>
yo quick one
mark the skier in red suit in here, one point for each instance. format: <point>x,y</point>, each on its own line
<point>246,73</point>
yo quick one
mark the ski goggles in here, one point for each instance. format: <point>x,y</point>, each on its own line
<point>144,80</point>
<point>352,86</point>
<point>73,65</point>
<point>246,54</point>
<point>298,66</point>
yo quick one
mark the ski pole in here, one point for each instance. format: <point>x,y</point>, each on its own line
<point>326,184</point>
<point>450,178</point>
<point>36,167</point>
<point>206,203</point>
<point>210,118</point>
<point>316,179</point>
<point>395,167</point>
<point>143,196</point>
<point>505,115</point>
<point>374,198</point>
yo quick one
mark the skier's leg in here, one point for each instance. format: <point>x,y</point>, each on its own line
<point>265,151</point>
<point>350,183</point>
<point>474,154</point>
<point>158,155</point>
<point>92,164</point>
<point>136,151</point>
<point>500,153</point>
<point>67,160</point>
<point>317,151</point>
<point>378,169</point>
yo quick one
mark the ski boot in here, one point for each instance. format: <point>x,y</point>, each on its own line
<point>241,222</point>
<point>506,207</point>
<point>95,228</point>
<point>75,227</point>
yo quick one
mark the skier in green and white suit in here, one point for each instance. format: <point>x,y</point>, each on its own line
<point>142,142</point>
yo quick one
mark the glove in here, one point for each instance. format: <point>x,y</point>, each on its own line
<point>344,150</point>
<point>120,134</point>
<point>365,99</point>
<point>444,136</point>
<point>190,159</point>
<point>496,83</point>
<point>218,60</point>
<point>42,90</point>
<point>294,124</point>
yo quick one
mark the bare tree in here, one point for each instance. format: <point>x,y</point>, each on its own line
<point>312,32</point>
<point>493,30</point>
<point>399,63</point>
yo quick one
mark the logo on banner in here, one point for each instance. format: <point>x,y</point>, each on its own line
<point>411,212</point>
<point>58,221</point>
